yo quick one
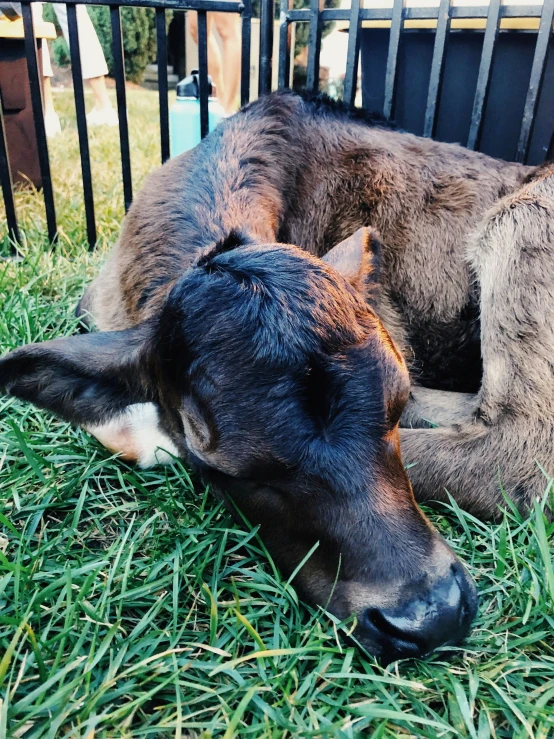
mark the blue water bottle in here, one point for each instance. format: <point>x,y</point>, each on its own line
<point>184,116</point>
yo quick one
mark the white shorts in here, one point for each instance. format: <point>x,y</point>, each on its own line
<point>93,61</point>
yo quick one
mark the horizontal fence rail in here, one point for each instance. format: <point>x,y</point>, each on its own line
<point>416,13</point>
<point>219,6</point>
<point>314,14</point>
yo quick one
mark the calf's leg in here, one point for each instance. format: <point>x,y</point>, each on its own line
<point>427,408</point>
<point>510,439</point>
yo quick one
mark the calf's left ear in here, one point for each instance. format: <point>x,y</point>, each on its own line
<point>357,258</point>
<point>84,379</point>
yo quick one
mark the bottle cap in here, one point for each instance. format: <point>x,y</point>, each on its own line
<point>189,87</point>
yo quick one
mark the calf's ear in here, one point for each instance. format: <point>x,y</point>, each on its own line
<point>84,379</point>
<point>357,258</point>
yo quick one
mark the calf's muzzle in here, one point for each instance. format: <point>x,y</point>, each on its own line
<point>440,615</point>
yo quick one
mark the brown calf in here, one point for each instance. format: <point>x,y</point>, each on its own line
<point>262,365</point>
<point>466,277</point>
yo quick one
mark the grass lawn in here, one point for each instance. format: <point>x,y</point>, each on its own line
<point>131,605</point>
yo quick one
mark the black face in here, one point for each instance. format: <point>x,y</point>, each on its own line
<point>275,377</point>
<point>290,395</point>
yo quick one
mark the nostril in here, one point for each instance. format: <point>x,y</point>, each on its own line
<point>376,617</point>
<point>392,626</point>
<point>394,641</point>
<point>468,594</point>
<point>458,575</point>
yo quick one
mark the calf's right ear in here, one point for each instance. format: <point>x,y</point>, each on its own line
<point>83,379</point>
<point>358,258</point>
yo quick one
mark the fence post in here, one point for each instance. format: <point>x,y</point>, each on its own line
<point>484,77</point>
<point>535,82</point>
<point>394,43</point>
<point>38,116</point>
<point>245,52</point>
<point>284,44</point>
<point>161,53</point>
<point>352,54</point>
<point>314,46</point>
<point>79,93</point>
<point>437,68</point>
<point>119,69</point>
<point>203,72</point>
<point>7,186</point>
<point>267,10</point>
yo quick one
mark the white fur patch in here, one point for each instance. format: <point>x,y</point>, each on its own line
<point>136,435</point>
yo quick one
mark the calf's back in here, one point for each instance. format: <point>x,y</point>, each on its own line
<point>308,173</point>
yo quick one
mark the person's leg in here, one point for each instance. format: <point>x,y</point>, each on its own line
<point>100,92</point>
<point>47,98</point>
<point>214,55</point>
<point>51,118</point>
<point>93,64</point>
<point>228,27</point>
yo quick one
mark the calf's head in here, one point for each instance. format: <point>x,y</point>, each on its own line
<point>271,373</point>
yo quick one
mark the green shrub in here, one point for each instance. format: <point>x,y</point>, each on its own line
<point>60,52</point>
<point>48,14</point>
<point>139,38</point>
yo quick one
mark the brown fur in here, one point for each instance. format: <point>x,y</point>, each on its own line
<point>466,271</point>
<point>505,433</point>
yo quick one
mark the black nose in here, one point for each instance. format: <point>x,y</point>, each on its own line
<point>439,616</point>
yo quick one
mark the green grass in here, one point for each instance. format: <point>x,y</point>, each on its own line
<point>131,605</point>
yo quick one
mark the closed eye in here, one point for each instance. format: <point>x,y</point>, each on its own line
<point>198,426</point>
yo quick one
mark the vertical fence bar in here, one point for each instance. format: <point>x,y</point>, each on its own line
<point>352,54</point>
<point>7,186</point>
<point>314,47</point>
<point>267,9</point>
<point>437,67</point>
<point>284,44</point>
<point>119,71</point>
<point>550,152</point>
<point>245,52</point>
<point>535,82</point>
<point>203,73</point>
<point>484,76</point>
<point>79,94</point>
<point>38,116</point>
<point>394,42</point>
<point>161,48</point>
<point>180,59</point>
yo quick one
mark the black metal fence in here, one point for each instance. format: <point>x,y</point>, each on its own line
<point>315,16</point>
